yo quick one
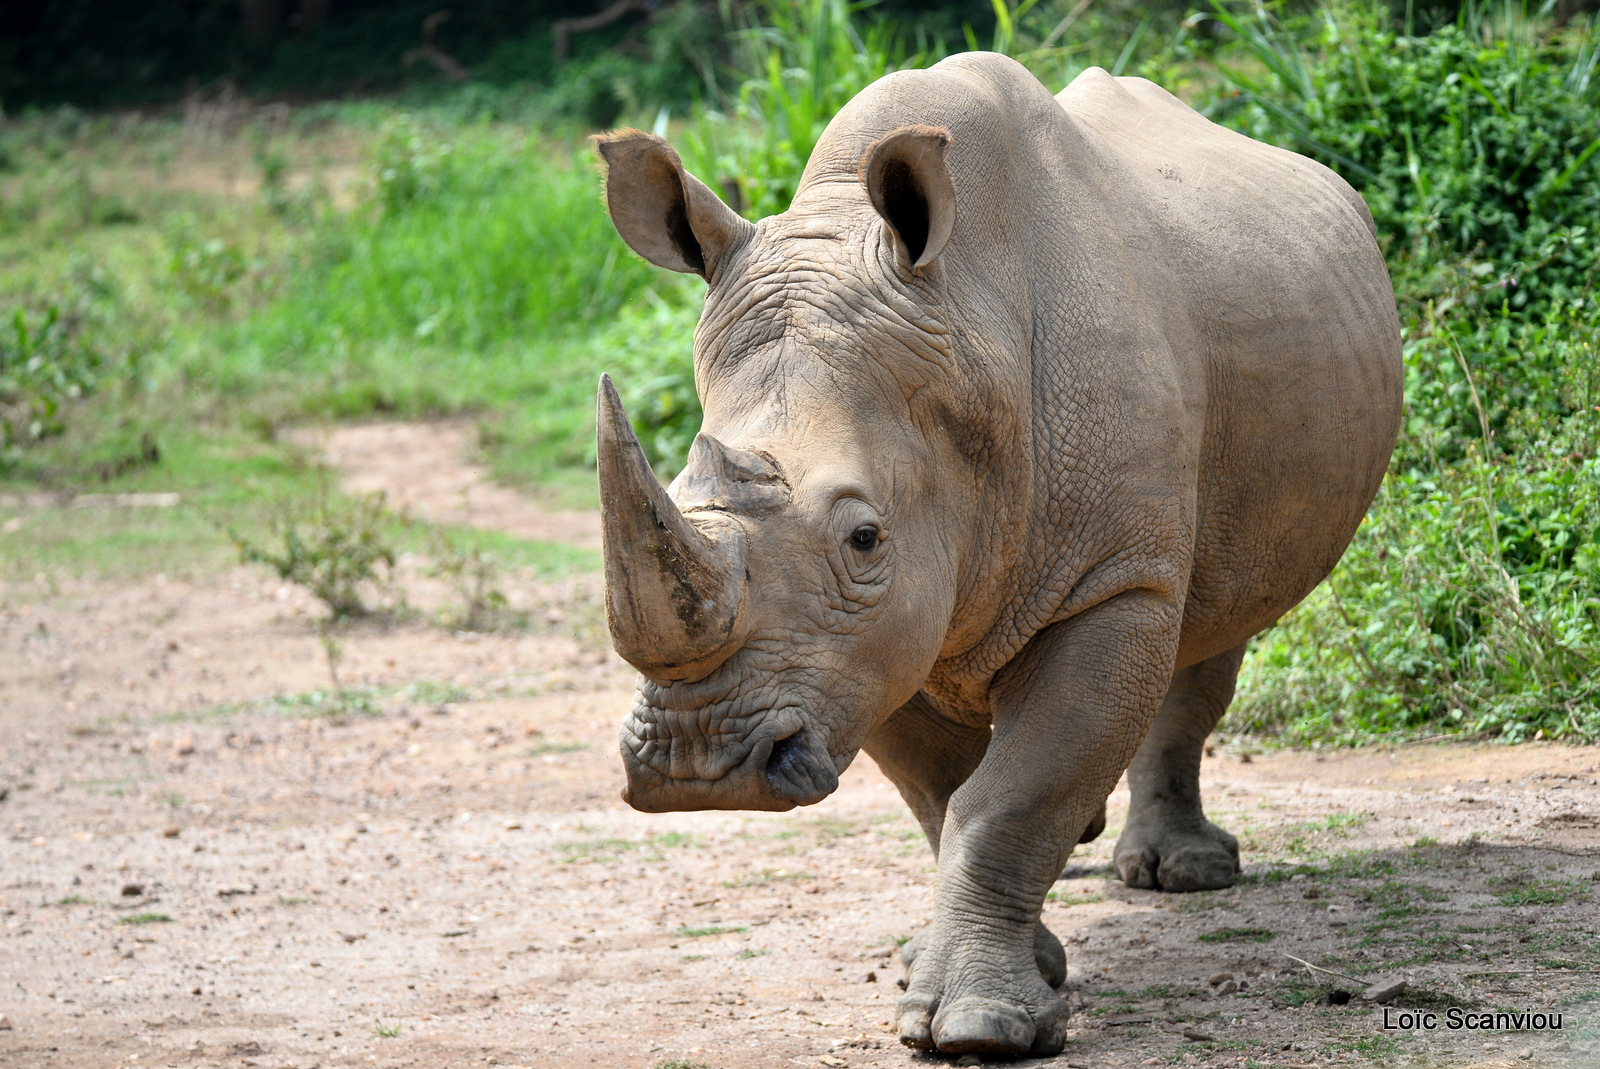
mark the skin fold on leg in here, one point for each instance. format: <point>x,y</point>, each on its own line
<point>1070,713</point>
<point>1167,843</point>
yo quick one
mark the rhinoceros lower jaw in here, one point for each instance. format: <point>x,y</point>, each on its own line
<point>776,775</point>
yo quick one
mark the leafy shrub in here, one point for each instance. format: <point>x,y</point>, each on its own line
<point>409,163</point>
<point>1464,142</point>
<point>474,574</point>
<point>47,361</point>
<point>339,550</point>
<point>211,270</point>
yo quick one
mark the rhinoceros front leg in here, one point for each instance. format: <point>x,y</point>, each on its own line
<point>1070,712</point>
<point>928,755</point>
<point>1168,843</point>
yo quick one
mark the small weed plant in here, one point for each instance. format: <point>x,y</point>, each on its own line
<point>339,549</point>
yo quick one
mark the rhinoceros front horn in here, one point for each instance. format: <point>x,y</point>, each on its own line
<point>673,591</point>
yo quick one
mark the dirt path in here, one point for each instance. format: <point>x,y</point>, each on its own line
<point>432,471</point>
<point>201,866</point>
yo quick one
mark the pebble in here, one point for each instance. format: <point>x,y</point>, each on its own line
<point>1384,990</point>
<point>1220,977</point>
<point>969,1059</point>
<point>5,1023</point>
<point>170,831</point>
<point>872,977</point>
<point>1525,1053</point>
<point>132,890</point>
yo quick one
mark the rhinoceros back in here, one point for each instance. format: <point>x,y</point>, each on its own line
<point>1264,269</point>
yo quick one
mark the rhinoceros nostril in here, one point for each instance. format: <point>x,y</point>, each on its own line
<point>786,754</point>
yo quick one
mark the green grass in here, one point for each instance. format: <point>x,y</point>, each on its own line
<point>386,1029</point>
<point>1239,935</point>
<point>766,876</point>
<point>1377,1048</point>
<point>1068,898</point>
<point>546,746</point>
<point>688,932</point>
<point>144,918</point>
<point>1540,893</point>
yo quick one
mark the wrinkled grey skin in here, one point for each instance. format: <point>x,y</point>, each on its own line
<point>1113,386</point>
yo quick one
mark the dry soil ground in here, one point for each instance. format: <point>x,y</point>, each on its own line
<point>197,871</point>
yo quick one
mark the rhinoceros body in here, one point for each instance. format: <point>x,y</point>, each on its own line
<point>1027,414</point>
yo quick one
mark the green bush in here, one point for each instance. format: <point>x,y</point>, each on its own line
<point>1466,142</point>
<point>44,365</point>
<point>1469,602</point>
<point>340,550</point>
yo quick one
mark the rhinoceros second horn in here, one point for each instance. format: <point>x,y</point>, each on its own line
<point>672,592</point>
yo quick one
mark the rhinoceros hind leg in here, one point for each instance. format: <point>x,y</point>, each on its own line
<point>1167,843</point>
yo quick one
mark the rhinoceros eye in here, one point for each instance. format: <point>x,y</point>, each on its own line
<point>864,538</point>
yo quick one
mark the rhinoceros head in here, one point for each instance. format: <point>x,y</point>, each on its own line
<point>797,581</point>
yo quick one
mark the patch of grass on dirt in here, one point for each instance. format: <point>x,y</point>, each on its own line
<point>436,692</point>
<point>1070,898</point>
<point>828,829</point>
<point>1295,995</point>
<point>765,876</point>
<point>1307,838</point>
<point>1239,935</point>
<point>1375,1047</point>
<point>311,705</point>
<point>748,952</point>
<point>292,900</point>
<point>72,900</point>
<point>679,1063</point>
<point>144,918</point>
<point>687,932</point>
<point>1203,901</point>
<point>1356,865</point>
<point>598,851</point>
<point>218,478</point>
<point>1534,892</point>
<point>548,746</point>
<point>386,1029</point>
<point>1203,1050</point>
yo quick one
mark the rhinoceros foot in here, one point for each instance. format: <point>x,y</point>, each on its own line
<point>957,1002</point>
<point>1177,855</point>
<point>1048,954</point>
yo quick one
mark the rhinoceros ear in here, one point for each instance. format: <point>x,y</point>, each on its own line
<point>664,213</point>
<point>908,181</point>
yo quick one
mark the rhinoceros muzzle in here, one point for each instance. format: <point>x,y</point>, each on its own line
<point>784,764</point>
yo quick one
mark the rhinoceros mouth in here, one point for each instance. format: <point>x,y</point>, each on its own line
<point>780,762</point>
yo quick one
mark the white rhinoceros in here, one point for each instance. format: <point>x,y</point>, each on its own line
<point>1023,418</point>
